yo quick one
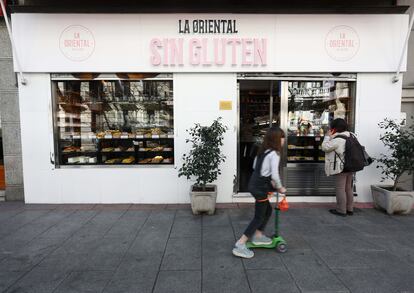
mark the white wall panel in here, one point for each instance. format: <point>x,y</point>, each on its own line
<point>377,98</point>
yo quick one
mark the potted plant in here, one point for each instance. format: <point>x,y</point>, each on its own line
<point>399,141</point>
<point>202,163</point>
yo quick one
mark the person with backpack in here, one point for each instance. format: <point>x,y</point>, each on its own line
<point>334,146</point>
<point>264,180</point>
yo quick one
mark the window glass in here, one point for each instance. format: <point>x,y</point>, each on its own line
<point>312,106</point>
<point>113,122</point>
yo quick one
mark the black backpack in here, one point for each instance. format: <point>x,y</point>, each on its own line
<point>259,186</point>
<point>356,158</point>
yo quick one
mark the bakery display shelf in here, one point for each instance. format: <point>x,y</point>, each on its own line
<point>155,137</point>
<point>301,147</point>
<point>303,161</point>
<point>140,137</point>
<point>309,136</point>
<point>81,164</point>
<point>117,152</point>
<point>79,153</point>
<point>156,151</point>
<point>135,138</point>
<point>135,164</point>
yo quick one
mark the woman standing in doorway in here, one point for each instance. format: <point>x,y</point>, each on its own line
<point>265,179</point>
<point>334,148</point>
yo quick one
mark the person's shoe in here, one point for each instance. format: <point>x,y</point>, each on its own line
<point>350,213</point>
<point>241,250</point>
<point>335,212</point>
<point>261,240</point>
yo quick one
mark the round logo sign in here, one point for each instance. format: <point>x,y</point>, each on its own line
<point>342,43</point>
<point>77,43</point>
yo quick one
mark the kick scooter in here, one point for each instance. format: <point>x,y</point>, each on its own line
<point>277,241</point>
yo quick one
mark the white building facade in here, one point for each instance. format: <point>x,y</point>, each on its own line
<point>91,133</point>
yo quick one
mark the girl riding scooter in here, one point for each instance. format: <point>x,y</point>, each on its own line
<point>264,179</point>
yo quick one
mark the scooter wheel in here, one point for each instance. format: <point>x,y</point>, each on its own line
<point>281,247</point>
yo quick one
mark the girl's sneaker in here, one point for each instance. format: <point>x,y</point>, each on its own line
<point>241,250</point>
<point>261,240</point>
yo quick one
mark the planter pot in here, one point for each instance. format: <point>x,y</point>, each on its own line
<point>203,201</point>
<point>392,201</point>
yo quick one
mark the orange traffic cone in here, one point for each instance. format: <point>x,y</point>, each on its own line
<point>283,204</point>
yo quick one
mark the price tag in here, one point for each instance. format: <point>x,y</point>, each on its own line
<point>92,136</point>
<point>76,136</point>
<point>155,136</point>
<point>170,135</point>
<point>108,136</point>
<point>139,136</point>
<point>124,136</point>
<point>317,138</point>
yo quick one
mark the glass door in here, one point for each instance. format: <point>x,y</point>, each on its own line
<point>259,108</point>
<point>310,106</point>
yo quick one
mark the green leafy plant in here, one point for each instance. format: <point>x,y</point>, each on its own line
<point>204,159</point>
<point>399,141</point>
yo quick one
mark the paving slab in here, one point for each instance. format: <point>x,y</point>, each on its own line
<point>226,280</point>
<point>271,281</point>
<point>182,254</point>
<point>7,279</point>
<point>132,281</point>
<point>311,273</point>
<point>39,281</point>
<point>85,281</point>
<point>133,248</point>
<point>380,280</point>
<point>178,282</point>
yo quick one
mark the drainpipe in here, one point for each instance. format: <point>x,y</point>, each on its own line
<point>396,78</point>
<point>23,80</point>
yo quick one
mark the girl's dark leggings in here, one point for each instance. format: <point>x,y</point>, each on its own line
<point>262,213</point>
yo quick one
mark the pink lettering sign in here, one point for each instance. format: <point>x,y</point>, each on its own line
<point>208,52</point>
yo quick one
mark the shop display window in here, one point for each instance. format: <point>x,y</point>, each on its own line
<point>125,119</point>
<point>312,105</point>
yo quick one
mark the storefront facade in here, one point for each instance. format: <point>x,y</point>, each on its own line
<point>108,98</point>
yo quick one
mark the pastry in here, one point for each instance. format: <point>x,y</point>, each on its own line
<point>106,150</point>
<point>71,149</point>
<point>158,149</point>
<point>145,161</point>
<point>128,160</point>
<point>157,159</point>
<point>168,161</point>
<point>113,161</point>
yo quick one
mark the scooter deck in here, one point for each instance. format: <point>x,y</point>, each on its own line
<point>275,242</point>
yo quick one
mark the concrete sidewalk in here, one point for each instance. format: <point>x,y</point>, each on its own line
<point>135,248</point>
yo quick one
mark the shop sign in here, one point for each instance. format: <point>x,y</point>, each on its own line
<point>226,105</point>
<point>77,43</point>
<point>211,42</point>
<point>342,43</point>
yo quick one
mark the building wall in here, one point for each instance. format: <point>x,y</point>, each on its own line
<point>196,100</point>
<point>10,119</point>
<point>377,98</point>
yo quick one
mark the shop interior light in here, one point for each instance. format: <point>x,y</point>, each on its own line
<point>136,75</point>
<point>85,75</point>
